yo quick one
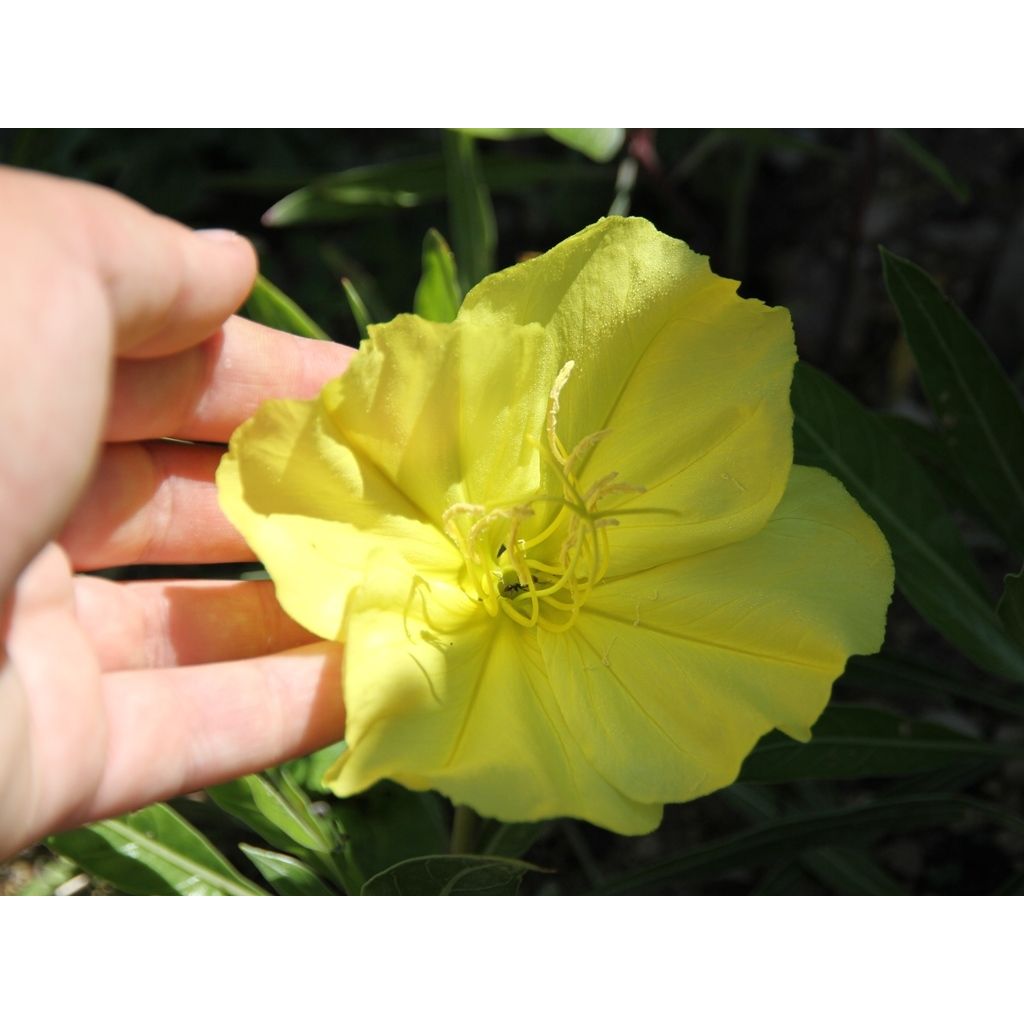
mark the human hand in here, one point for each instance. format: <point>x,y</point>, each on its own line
<point>116,332</point>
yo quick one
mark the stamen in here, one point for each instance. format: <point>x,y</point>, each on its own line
<point>541,591</point>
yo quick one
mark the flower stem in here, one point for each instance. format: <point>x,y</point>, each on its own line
<point>464,830</point>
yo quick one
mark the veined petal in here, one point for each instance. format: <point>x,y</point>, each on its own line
<point>448,412</point>
<point>671,675</point>
<point>314,512</point>
<point>690,381</point>
<point>439,695</point>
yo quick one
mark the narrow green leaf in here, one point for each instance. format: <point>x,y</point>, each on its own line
<point>450,875</point>
<point>268,305</point>
<point>153,852</point>
<point>256,802</point>
<point>789,836</point>
<point>438,295</point>
<point>378,189</point>
<point>929,163</point>
<point>600,144</point>
<point>1011,605</point>
<point>360,313</point>
<point>980,411</point>
<point>933,568</point>
<point>850,873</point>
<point>855,742</point>
<point>49,878</point>
<point>473,231</point>
<point>844,871</point>
<point>309,771</point>
<point>503,134</point>
<point>887,675</point>
<point>287,876</point>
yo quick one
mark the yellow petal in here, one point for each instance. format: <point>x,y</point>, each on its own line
<point>439,695</point>
<point>448,412</point>
<point>314,513</point>
<point>670,676</point>
<point>690,381</point>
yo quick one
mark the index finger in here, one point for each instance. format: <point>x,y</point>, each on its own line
<point>203,393</point>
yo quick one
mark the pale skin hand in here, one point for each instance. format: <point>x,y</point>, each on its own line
<point>115,331</point>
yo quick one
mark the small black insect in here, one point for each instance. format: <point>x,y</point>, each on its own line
<point>511,590</point>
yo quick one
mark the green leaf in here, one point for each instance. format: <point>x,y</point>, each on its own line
<point>268,305</point>
<point>49,878</point>
<point>1011,605</point>
<point>473,231</point>
<point>384,188</point>
<point>600,144</point>
<point>886,675</point>
<point>153,852</point>
<point>287,876</point>
<point>844,871</point>
<point>504,839</point>
<point>256,802</point>
<point>360,313</point>
<point>929,163</point>
<point>309,771</point>
<point>980,412</point>
<point>450,875</point>
<point>850,873</point>
<point>438,296</point>
<point>388,824</point>
<point>789,836</point>
<point>933,568</point>
<point>855,742</point>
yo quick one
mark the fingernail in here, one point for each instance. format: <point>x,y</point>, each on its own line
<point>219,234</point>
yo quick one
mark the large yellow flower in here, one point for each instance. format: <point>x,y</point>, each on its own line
<point>562,538</point>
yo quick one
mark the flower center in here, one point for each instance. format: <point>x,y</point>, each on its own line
<point>541,578</point>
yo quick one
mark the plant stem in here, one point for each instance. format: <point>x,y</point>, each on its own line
<point>464,830</point>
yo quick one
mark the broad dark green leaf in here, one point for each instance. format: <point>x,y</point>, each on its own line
<point>388,824</point>
<point>600,144</point>
<point>933,568</point>
<point>1011,605</point>
<point>383,188</point>
<point>268,305</point>
<point>360,313</point>
<point>854,742</point>
<point>929,449</point>
<point>471,215</point>
<point>929,163</point>
<point>789,836</point>
<point>438,295</point>
<point>287,876</point>
<point>980,411</point>
<point>450,875</point>
<point>153,852</point>
<point>502,839</point>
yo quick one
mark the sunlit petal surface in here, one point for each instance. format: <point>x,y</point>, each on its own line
<point>562,538</point>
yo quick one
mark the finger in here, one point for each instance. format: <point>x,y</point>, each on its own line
<point>182,622</point>
<point>203,393</point>
<point>175,730</point>
<point>152,504</point>
<point>164,286</point>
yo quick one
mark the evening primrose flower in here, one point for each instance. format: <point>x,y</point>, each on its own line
<point>562,538</point>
